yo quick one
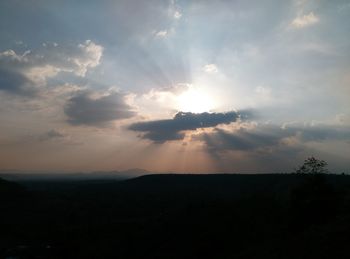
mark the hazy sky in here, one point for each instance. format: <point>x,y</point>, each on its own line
<point>187,86</point>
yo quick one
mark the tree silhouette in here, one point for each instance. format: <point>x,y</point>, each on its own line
<point>313,200</point>
<point>312,165</point>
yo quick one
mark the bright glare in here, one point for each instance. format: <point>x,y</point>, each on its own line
<point>195,101</point>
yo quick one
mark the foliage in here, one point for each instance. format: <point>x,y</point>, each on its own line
<point>312,165</point>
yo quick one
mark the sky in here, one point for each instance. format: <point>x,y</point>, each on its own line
<point>174,86</point>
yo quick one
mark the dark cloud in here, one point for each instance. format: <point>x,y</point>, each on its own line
<point>160,131</point>
<point>240,140</point>
<point>14,82</point>
<point>243,139</point>
<point>322,132</point>
<point>83,109</point>
<point>263,147</point>
<point>267,147</point>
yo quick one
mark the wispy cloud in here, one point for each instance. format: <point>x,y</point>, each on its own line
<point>305,20</point>
<point>210,68</point>
<point>161,34</point>
<point>52,134</point>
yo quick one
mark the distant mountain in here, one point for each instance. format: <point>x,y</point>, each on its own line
<point>119,175</point>
<point>135,172</point>
<point>18,175</point>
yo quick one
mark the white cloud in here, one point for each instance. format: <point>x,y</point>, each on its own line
<point>40,74</point>
<point>161,34</point>
<point>177,15</point>
<point>90,57</point>
<point>34,67</point>
<point>210,68</point>
<point>305,20</point>
<point>75,59</point>
<point>11,56</point>
<point>159,102</point>
<point>166,95</point>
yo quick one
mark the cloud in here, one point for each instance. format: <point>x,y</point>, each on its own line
<point>161,34</point>
<point>75,59</point>
<point>177,15</point>
<point>14,82</point>
<point>305,20</point>
<point>174,89</point>
<point>52,134</point>
<point>210,68</point>
<point>161,101</point>
<point>90,55</point>
<point>85,108</point>
<point>243,139</point>
<point>266,138</point>
<point>166,95</point>
<point>269,147</point>
<point>160,131</point>
<point>27,73</point>
<point>322,132</point>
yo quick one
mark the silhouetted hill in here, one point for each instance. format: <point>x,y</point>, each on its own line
<point>10,188</point>
<point>216,184</point>
<point>179,216</point>
<point>18,175</point>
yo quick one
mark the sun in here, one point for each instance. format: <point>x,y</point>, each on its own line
<point>196,101</point>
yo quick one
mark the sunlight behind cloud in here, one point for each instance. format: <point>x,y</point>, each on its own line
<point>195,100</point>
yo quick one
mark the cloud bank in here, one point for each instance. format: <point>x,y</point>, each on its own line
<point>264,138</point>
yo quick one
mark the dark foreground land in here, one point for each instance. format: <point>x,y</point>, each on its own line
<point>178,216</point>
